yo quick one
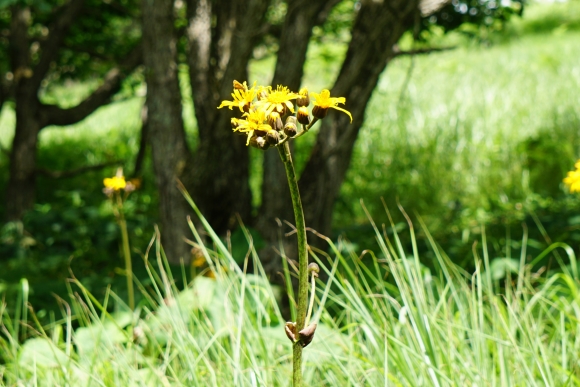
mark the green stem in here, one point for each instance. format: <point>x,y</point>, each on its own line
<point>126,252</point>
<point>286,157</point>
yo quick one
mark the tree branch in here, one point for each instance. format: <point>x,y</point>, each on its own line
<point>57,31</point>
<point>419,51</point>
<point>55,115</point>
<point>76,171</point>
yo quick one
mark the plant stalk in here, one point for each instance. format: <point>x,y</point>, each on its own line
<point>126,252</point>
<point>286,157</point>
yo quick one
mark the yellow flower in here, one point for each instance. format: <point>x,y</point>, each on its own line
<point>572,180</point>
<point>243,97</point>
<point>115,183</point>
<point>254,122</point>
<point>277,100</point>
<point>323,101</point>
<point>199,261</point>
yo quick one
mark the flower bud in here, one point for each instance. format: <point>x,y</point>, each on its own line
<point>290,129</point>
<point>304,98</point>
<point>303,115</point>
<point>319,112</point>
<point>272,137</point>
<point>259,142</point>
<point>275,121</point>
<point>307,334</point>
<point>290,329</point>
<point>313,269</point>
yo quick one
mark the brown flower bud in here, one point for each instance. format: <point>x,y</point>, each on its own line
<point>307,334</point>
<point>259,142</point>
<point>272,137</point>
<point>290,329</point>
<point>319,112</point>
<point>304,98</point>
<point>275,121</point>
<point>303,115</point>
<point>290,129</point>
<point>108,191</point>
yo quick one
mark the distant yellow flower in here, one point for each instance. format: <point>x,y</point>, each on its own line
<point>199,261</point>
<point>323,101</point>
<point>115,183</point>
<point>255,121</point>
<point>243,97</point>
<point>277,100</point>
<point>572,180</point>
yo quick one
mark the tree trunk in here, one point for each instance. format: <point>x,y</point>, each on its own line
<point>165,125</point>
<point>301,17</point>
<point>31,114</point>
<point>219,176</point>
<point>20,191</point>
<point>378,26</point>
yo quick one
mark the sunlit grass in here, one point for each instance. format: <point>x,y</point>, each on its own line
<point>388,322</point>
<point>469,127</point>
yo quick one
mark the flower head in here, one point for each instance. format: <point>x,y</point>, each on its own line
<point>277,100</point>
<point>255,121</point>
<point>243,97</point>
<point>115,183</point>
<point>323,101</point>
<point>572,180</point>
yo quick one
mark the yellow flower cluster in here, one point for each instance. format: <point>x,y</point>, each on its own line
<point>264,109</point>
<point>115,183</point>
<point>572,180</point>
<point>118,183</point>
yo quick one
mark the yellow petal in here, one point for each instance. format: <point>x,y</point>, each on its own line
<point>343,110</point>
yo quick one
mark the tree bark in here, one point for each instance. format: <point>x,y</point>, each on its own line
<point>378,26</point>
<point>300,19</point>
<point>20,192</point>
<point>165,125</point>
<point>20,189</point>
<point>218,178</point>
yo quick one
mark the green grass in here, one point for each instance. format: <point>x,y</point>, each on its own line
<point>390,323</point>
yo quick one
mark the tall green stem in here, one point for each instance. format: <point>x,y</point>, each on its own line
<point>126,252</point>
<point>286,157</point>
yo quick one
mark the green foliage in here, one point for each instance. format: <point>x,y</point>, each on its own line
<point>103,34</point>
<point>383,318</point>
<point>485,13</point>
<point>478,135</point>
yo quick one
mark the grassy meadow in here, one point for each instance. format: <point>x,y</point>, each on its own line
<point>481,289</point>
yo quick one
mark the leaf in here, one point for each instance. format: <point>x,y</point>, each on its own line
<point>501,266</point>
<point>41,352</point>
<point>108,334</point>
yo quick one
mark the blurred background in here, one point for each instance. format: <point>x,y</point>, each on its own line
<point>466,115</point>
